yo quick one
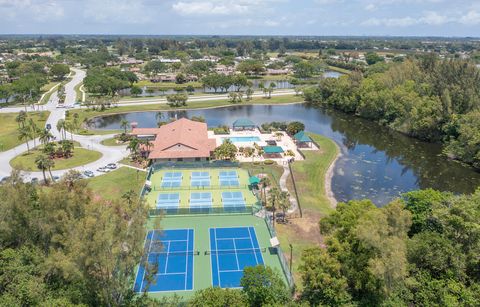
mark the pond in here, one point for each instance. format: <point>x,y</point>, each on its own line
<point>377,163</point>
<point>279,84</point>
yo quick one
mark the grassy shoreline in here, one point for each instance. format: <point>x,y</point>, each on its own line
<point>310,176</point>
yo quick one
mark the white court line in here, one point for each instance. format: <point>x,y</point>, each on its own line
<point>145,268</point>
<point>186,262</point>
<point>218,266</point>
<point>236,254</point>
<point>168,256</point>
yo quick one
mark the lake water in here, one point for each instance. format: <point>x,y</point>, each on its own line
<point>279,84</point>
<point>377,163</point>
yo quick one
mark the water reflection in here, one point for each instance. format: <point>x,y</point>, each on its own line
<point>377,163</point>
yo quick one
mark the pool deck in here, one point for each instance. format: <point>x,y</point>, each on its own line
<point>284,141</point>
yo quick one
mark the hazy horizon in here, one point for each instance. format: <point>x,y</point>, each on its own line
<point>363,18</point>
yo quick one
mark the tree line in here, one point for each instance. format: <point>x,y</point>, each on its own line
<point>428,98</point>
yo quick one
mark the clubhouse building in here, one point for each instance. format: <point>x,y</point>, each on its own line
<point>181,140</point>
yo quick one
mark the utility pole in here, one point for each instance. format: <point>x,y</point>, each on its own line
<point>291,257</point>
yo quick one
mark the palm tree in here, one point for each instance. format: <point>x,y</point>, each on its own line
<point>124,124</point>
<point>24,135</point>
<point>261,86</point>
<point>42,164</point>
<point>61,128</point>
<point>264,182</point>
<point>45,136</point>
<point>283,202</point>
<point>271,87</point>
<point>33,130</point>
<point>67,148</point>
<point>21,118</point>
<point>49,149</point>
<point>133,147</point>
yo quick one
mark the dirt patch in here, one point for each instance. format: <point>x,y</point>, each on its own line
<point>307,227</point>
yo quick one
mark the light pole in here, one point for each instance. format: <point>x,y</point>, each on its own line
<point>291,257</point>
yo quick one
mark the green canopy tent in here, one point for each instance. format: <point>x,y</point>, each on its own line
<point>272,151</point>
<point>243,124</point>
<point>302,139</point>
<point>254,180</point>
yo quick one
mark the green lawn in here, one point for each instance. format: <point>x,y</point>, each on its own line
<point>310,181</point>
<point>49,88</point>
<point>340,70</point>
<point>112,142</point>
<point>86,114</point>
<point>80,157</point>
<point>114,184</point>
<point>166,85</point>
<point>9,128</point>
<point>78,93</point>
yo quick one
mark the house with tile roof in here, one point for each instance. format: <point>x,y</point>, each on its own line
<point>181,140</point>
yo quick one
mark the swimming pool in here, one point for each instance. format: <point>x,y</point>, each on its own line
<point>239,139</point>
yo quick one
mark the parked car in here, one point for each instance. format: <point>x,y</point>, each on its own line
<point>88,174</point>
<point>56,178</point>
<point>4,179</point>
<point>111,165</point>
<point>34,180</point>
<point>103,169</point>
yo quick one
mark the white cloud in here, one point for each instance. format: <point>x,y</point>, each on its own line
<point>370,7</point>
<point>39,10</point>
<point>390,22</point>
<point>471,18</point>
<point>118,11</point>
<point>221,7</point>
<point>209,8</point>
<point>434,19</point>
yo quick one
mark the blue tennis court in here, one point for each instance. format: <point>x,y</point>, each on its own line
<point>168,201</point>
<point>201,199</point>
<point>169,258</point>
<point>199,182</point>
<point>200,175</point>
<point>228,174</point>
<point>171,180</point>
<point>228,178</point>
<point>233,249</point>
<point>233,200</point>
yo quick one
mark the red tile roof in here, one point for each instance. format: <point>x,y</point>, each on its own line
<point>183,138</point>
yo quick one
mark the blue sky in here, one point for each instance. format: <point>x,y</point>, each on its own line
<point>242,17</point>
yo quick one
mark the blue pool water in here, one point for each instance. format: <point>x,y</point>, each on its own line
<point>238,139</point>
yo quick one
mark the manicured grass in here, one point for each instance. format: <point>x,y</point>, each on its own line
<point>81,156</point>
<point>78,93</point>
<point>116,183</point>
<point>273,171</point>
<point>49,88</point>
<point>86,114</point>
<point>112,142</point>
<point>166,85</point>
<point>9,128</point>
<point>310,175</point>
<point>340,70</point>
<point>310,181</point>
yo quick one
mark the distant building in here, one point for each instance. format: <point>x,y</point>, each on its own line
<point>181,140</point>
